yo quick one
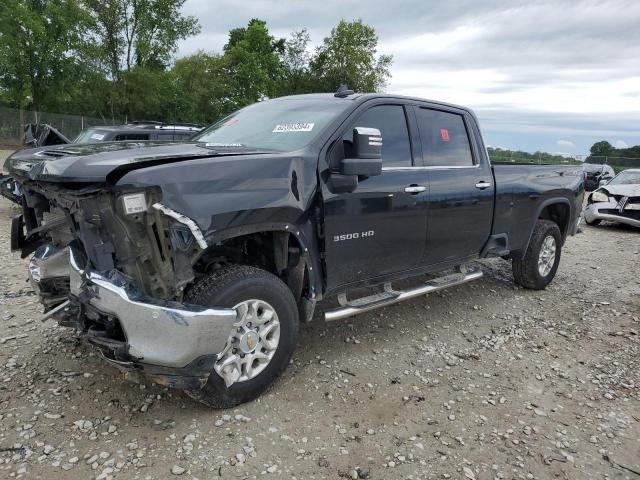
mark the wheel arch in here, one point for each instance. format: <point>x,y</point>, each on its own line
<point>557,210</point>
<point>287,250</point>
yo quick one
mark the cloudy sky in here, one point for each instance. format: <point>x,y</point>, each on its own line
<point>551,75</point>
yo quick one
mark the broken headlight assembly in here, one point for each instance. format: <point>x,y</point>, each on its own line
<point>599,197</point>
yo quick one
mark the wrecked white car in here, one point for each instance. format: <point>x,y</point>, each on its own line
<point>616,201</point>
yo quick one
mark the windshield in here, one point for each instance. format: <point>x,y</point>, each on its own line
<point>279,125</point>
<point>626,178</point>
<point>91,135</point>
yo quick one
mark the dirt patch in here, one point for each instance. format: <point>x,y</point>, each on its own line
<point>482,381</point>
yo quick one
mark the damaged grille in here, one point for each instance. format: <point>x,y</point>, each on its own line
<point>143,245</point>
<point>633,214</point>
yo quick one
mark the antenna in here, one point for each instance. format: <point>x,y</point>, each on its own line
<point>343,91</point>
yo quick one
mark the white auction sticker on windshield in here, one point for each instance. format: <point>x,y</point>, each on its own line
<point>293,127</point>
<point>97,136</point>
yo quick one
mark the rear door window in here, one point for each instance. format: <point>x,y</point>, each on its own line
<point>444,138</point>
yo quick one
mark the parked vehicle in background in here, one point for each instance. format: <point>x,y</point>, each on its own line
<point>139,131</point>
<point>40,135</point>
<point>594,173</point>
<point>193,263</point>
<point>617,200</point>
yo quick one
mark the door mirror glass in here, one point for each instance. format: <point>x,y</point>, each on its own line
<point>367,153</point>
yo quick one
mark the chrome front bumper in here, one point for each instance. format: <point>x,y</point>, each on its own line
<point>157,332</point>
<point>595,211</point>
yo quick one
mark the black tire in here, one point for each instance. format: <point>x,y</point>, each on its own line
<point>228,287</point>
<point>593,223</point>
<point>525,268</point>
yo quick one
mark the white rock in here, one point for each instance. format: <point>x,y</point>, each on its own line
<point>178,470</point>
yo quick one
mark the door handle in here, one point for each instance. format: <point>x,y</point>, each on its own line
<point>482,185</point>
<point>414,189</point>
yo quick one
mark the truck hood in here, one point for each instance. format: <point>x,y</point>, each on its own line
<point>94,162</point>
<point>622,190</point>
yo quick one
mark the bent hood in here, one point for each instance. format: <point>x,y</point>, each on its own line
<point>93,162</point>
<point>622,190</point>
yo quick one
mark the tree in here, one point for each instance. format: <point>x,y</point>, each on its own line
<point>146,94</point>
<point>602,148</point>
<point>253,63</point>
<point>296,60</point>
<point>142,33</point>
<point>41,49</point>
<point>348,56</point>
<point>137,34</point>
<point>201,87</point>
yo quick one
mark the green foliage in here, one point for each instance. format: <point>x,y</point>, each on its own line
<point>141,33</point>
<point>113,59</point>
<point>42,43</point>
<point>253,63</point>
<point>201,88</point>
<point>605,149</point>
<point>500,155</point>
<point>618,158</point>
<point>602,148</point>
<point>296,60</point>
<point>348,56</point>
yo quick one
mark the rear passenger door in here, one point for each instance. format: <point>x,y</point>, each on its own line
<point>380,228</point>
<point>461,189</point>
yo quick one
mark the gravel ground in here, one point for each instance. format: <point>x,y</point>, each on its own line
<point>481,381</point>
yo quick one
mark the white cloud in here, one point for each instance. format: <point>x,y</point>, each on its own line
<point>565,143</point>
<point>620,144</point>
<point>521,65</point>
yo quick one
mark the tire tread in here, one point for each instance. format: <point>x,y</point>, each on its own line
<point>202,292</point>
<point>525,268</point>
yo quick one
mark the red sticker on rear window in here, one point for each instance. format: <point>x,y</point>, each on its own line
<point>444,134</point>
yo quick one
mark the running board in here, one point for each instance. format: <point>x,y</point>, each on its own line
<point>390,296</point>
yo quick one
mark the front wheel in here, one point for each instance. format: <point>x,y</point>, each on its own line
<point>537,267</point>
<point>263,339</point>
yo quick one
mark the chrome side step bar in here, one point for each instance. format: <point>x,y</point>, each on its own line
<point>390,296</point>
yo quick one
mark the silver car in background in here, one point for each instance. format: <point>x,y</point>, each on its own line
<point>616,201</point>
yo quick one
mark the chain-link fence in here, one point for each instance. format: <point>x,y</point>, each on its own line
<point>617,163</point>
<point>535,159</point>
<point>12,122</point>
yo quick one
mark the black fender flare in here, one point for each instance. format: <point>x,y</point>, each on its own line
<point>304,233</point>
<point>541,207</point>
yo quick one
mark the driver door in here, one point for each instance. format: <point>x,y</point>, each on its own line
<point>380,228</point>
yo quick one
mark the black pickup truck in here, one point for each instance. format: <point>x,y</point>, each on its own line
<point>193,264</point>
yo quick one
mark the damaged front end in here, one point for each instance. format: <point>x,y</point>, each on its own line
<point>113,263</point>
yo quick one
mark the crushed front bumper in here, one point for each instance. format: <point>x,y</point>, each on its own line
<point>171,343</point>
<point>610,211</point>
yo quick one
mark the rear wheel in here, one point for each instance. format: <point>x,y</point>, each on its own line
<point>263,338</point>
<point>537,267</point>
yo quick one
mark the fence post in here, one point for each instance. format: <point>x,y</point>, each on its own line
<point>21,132</point>
<point>81,123</point>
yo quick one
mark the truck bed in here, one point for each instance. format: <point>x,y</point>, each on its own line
<point>523,191</point>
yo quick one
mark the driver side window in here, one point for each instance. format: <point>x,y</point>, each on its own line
<point>392,123</point>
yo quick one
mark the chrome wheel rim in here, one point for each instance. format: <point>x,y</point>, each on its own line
<point>547,256</point>
<point>252,343</point>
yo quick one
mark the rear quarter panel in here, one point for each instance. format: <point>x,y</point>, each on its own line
<point>523,191</point>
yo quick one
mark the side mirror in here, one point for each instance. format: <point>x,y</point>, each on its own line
<point>367,150</point>
<point>605,179</point>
